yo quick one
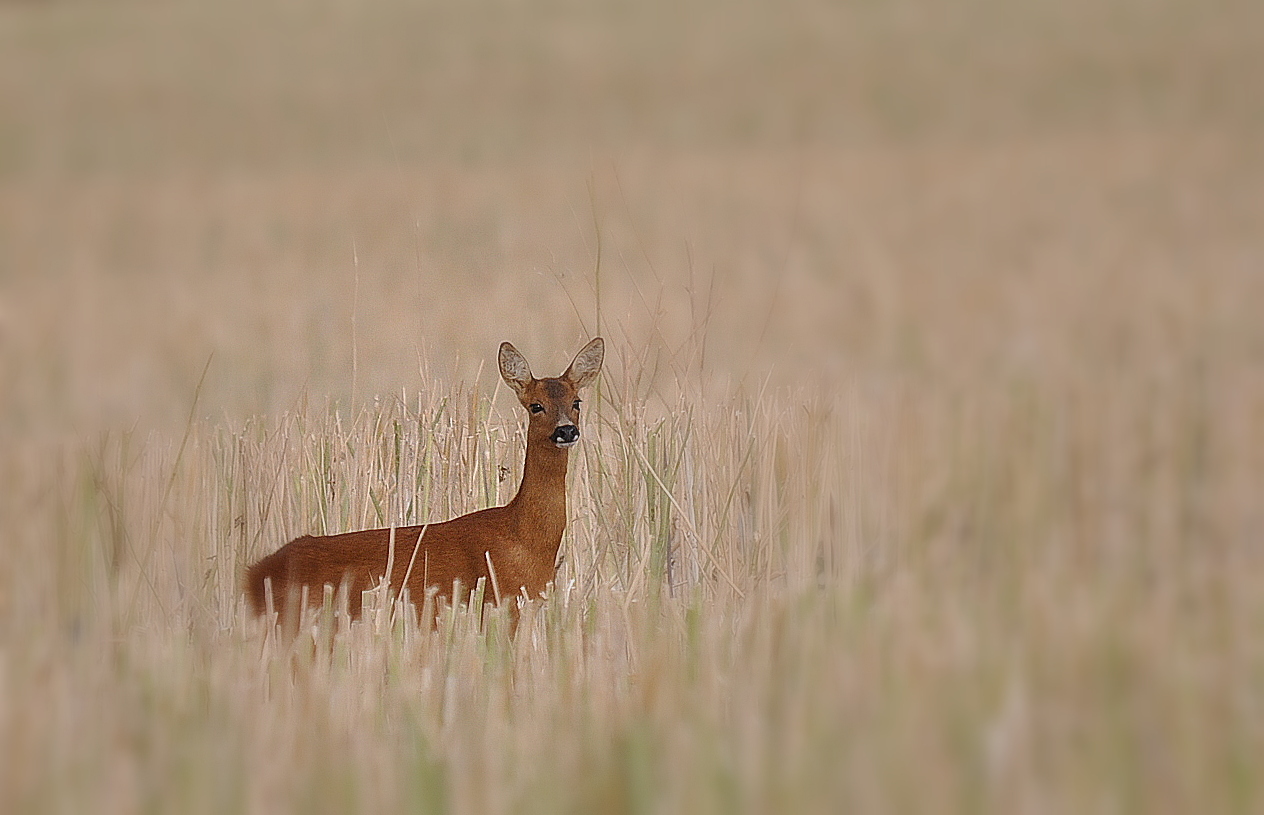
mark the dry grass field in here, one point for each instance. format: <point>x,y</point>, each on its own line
<point>926,473</point>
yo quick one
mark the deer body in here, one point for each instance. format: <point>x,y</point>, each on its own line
<point>512,547</point>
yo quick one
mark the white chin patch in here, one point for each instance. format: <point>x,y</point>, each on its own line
<point>565,444</point>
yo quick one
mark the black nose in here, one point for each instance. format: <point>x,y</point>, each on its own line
<point>566,434</point>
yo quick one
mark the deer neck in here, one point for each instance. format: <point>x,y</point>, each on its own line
<point>540,504</point>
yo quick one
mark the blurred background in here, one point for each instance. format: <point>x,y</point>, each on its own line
<point>962,301</point>
<point>327,197</point>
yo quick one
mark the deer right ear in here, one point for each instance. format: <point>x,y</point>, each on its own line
<point>514,368</point>
<point>587,363</point>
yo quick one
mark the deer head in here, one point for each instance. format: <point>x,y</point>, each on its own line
<point>552,403</point>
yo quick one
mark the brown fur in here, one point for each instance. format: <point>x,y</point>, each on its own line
<point>521,539</point>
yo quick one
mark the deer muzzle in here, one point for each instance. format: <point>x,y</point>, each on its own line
<point>565,435</point>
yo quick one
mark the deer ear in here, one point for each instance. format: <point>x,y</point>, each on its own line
<point>514,368</point>
<point>587,364</point>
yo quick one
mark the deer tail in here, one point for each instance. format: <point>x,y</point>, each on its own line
<point>257,577</point>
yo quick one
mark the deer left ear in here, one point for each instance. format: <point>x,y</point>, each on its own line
<point>587,364</point>
<point>514,368</point>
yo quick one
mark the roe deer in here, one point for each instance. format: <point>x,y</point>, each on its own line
<point>512,547</point>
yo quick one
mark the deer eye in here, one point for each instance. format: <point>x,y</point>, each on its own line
<point>536,407</point>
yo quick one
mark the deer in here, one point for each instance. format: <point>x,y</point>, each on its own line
<point>513,548</point>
